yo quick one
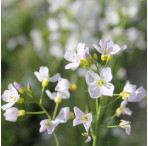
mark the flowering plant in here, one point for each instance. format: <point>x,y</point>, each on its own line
<point>98,78</point>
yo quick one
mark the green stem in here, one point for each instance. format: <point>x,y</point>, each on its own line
<point>111,118</point>
<point>116,94</point>
<point>111,102</point>
<point>43,88</point>
<point>56,139</point>
<point>92,70</point>
<point>106,63</point>
<point>100,64</point>
<point>98,112</point>
<point>55,111</point>
<point>113,126</point>
<point>37,113</point>
<point>97,68</point>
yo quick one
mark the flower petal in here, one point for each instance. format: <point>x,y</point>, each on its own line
<point>77,121</point>
<point>72,66</point>
<point>107,89</point>
<point>55,78</point>
<point>129,87</point>
<point>127,111</point>
<point>88,139</point>
<point>8,105</point>
<point>78,112</point>
<point>39,77</point>
<point>80,49</point>
<point>70,56</point>
<point>94,91</point>
<point>106,74</point>
<point>51,95</point>
<point>44,71</point>
<point>98,48</point>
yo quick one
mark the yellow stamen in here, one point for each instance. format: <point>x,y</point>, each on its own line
<point>48,124</point>
<point>73,87</point>
<point>101,83</point>
<point>119,111</point>
<point>125,94</point>
<point>71,115</point>
<point>84,118</point>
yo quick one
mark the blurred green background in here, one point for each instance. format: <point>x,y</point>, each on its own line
<point>37,33</point>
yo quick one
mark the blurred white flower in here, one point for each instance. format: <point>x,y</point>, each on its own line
<point>131,94</point>
<point>11,96</point>
<point>11,44</point>
<point>121,73</point>
<point>52,24</point>
<point>48,125</point>
<point>126,125</point>
<point>100,85</point>
<point>43,74</point>
<point>82,118</point>
<point>123,109</point>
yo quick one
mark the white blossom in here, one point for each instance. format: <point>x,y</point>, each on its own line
<point>48,125</point>
<point>11,96</point>
<point>131,94</point>
<point>43,74</point>
<point>100,85</point>
<point>126,125</point>
<point>82,118</point>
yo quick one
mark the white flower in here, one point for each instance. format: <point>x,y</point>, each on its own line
<point>126,125</point>
<point>63,115</point>
<point>108,48</point>
<point>54,95</point>
<point>11,96</point>
<point>63,85</point>
<point>123,109</point>
<point>99,85</point>
<point>48,125</point>
<point>82,118</point>
<point>43,74</point>
<point>11,114</point>
<point>131,94</point>
<point>74,57</point>
<point>88,139</point>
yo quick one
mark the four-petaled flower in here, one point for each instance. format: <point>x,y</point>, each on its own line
<point>126,125</point>
<point>75,57</point>
<point>11,96</point>
<point>123,109</point>
<point>131,94</point>
<point>48,125</point>
<point>82,118</point>
<point>43,75</point>
<point>108,48</point>
<point>99,85</point>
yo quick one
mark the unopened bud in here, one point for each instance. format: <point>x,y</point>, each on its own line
<point>21,113</point>
<point>104,57</point>
<point>109,57</point>
<point>45,82</point>
<point>29,88</point>
<point>71,115</point>
<point>19,87</point>
<point>20,100</point>
<point>73,87</point>
<point>84,63</point>
<point>58,99</point>
<point>95,56</point>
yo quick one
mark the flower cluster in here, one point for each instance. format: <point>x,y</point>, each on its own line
<point>99,84</point>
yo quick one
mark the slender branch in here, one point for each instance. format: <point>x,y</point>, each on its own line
<point>111,118</point>
<point>111,102</point>
<point>56,139</point>
<point>41,112</point>
<point>43,88</point>
<point>113,126</point>
<point>55,111</point>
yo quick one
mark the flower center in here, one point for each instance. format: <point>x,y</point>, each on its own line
<point>12,97</point>
<point>48,124</point>
<point>125,94</point>
<point>74,57</point>
<point>100,82</point>
<point>84,118</point>
<point>119,111</point>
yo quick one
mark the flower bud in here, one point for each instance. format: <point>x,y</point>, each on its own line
<point>19,87</point>
<point>21,113</point>
<point>73,87</point>
<point>58,99</point>
<point>119,111</point>
<point>86,55</point>
<point>84,63</point>
<point>109,57</point>
<point>95,56</point>
<point>20,100</point>
<point>29,88</point>
<point>104,57</point>
<point>45,82</point>
<point>71,115</point>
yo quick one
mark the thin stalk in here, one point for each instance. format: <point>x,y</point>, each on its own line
<point>111,118</point>
<point>37,113</point>
<point>113,126</point>
<point>55,111</point>
<point>56,139</point>
<point>111,102</point>
<point>43,88</point>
